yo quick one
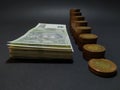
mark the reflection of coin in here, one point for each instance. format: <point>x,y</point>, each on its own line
<point>102,67</point>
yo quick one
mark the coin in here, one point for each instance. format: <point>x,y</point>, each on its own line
<point>94,48</point>
<point>80,30</point>
<point>93,51</point>
<point>102,67</point>
<point>86,38</point>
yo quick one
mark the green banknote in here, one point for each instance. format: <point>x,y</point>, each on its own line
<point>43,41</point>
<point>49,35</point>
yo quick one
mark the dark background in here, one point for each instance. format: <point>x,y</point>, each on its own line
<point>17,17</point>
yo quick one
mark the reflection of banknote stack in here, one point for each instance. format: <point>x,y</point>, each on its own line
<point>49,41</point>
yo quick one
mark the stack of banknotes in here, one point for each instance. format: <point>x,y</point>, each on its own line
<point>49,41</point>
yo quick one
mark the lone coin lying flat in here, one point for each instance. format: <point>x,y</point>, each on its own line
<point>102,67</point>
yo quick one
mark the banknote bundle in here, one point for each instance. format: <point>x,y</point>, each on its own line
<point>49,41</point>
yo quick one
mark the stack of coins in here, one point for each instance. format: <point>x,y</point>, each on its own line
<point>93,51</point>
<point>78,24</point>
<point>86,39</point>
<point>76,19</point>
<point>74,10</point>
<point>80,30</point>
<point>74,13</point>
<point>87,42</point>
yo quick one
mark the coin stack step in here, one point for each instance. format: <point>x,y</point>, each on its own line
<point>80,30</point>
<point>87,43</point>
<point>93,51</point>
<point>86,39</point>
<point>102,67</point>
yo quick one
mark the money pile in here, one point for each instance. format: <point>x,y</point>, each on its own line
<point>49,41</point>
<point>87,42</point>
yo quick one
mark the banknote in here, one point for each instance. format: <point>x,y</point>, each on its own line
<point>45,34</point>
<point>42,41</point>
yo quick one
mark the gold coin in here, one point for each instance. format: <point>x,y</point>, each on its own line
<point>94,48</point>
<point>103,67</point>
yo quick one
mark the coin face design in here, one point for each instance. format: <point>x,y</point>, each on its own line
<point>94,47</point>
<point>102,65</point>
